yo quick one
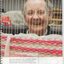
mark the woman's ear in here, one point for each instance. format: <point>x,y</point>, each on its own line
<point>25,17</point>
<point>50,15</point>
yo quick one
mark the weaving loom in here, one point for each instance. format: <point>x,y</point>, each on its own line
<point>17,41</point>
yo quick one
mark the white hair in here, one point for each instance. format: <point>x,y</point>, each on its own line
<point>48,4</point>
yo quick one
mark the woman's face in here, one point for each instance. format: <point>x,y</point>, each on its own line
<point>36,17</point>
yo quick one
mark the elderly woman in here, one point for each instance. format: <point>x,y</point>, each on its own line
<point>36,13</point>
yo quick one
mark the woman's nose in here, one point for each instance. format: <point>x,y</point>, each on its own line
<point>35,16</point>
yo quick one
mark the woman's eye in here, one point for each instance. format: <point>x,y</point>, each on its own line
<point>30,12</point>
<point>40,12</point>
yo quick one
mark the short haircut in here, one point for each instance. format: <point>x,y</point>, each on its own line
<point>49,6</point>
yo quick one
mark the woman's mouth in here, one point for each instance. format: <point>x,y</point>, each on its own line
<point>36,23</point>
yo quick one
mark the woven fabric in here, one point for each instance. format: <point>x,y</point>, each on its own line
<point>22,47</point>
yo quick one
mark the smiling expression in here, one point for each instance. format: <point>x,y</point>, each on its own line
<point>36,16</point>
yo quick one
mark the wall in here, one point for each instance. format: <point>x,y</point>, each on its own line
<point>18,4</point>
<point>12,4</point>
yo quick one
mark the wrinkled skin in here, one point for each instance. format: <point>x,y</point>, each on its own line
<point>36,16</point>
